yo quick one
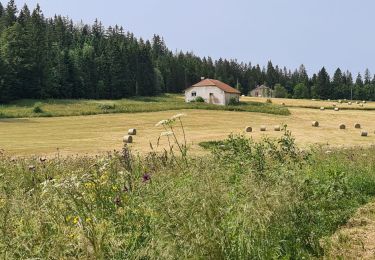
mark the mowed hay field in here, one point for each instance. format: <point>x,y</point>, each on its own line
<point>100,133</point>
<point>306,103</point>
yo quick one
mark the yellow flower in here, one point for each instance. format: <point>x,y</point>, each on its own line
<point>75,220</point>
<point>88,220</point>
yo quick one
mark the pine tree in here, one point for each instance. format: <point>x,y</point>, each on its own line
<point>10,14</point>
<point>324,88</point>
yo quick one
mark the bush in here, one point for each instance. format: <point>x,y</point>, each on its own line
<point>199,100</point>
<point>107,106</point>
<point>280,91</point>
<point>37,108</point>
<point>233,101</point>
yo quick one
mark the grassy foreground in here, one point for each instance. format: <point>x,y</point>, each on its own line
<point>246,200</point>
<point>56,108</point>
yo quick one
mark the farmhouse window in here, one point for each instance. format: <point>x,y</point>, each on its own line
<point>193,94</point>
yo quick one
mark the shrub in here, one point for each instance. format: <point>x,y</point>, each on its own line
<point>107,106</point>
<point>199,100</point>
<point>233,101</point>
<point>280,91</point>
<point>37,108</point>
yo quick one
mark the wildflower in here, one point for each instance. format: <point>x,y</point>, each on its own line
<point>168,133</point>
<point>75,220</point>
<point>146,177</point>
<point>88,220</point>
<point>162,122</point>
<point>177,116</point>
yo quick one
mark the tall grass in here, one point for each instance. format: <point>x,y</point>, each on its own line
<point>247,200</point>
<point>26,108</point>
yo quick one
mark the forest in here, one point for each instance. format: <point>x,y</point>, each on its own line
<point>54,57</point>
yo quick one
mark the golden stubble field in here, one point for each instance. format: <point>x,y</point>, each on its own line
<point>310,103</point>
<point>101,133</point>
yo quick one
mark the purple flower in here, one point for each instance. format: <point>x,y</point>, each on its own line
<point>146,177</point>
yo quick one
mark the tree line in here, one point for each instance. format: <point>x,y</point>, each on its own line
<point>55,58</point>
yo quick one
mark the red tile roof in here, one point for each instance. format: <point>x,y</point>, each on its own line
<point>216,83</point>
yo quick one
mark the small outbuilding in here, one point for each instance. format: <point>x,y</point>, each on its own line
<point>213,92</point>
<point>262,91</point>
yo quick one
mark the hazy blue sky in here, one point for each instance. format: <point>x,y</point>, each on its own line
<point>289,32</point>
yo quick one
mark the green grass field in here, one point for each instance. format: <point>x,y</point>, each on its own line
<point>245,200</point>
<point>58,108</point>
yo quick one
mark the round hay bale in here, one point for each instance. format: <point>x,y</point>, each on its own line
<point>337,109</point>
<point>315,124</point>
<point>313,99</point>
<point>349,103</point>
<point>333,105</point>
<point>357,102</point>
<point>357,125</point>
<point>364,101</point>
<point>340,101</point>
<point>263,128</point>
<point>132,131</point>
<point>283,104</point>
<point>277,128</point>
<point>342,126</point>
<point>322,108</point>
<point>128,139</point>
<point>361,105</point>
<point>364,133</point>
<point>248,129</point>
<point>329,99</point>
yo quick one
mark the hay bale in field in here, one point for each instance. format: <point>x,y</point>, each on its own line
<point>364,101</point>
<point>128,139</point>
<point>361,105</point>
<point>283,104</point>
<point>357,125</point>
<point>263,128</point>
<point>132,131</point>
<point>364,133</point>
<point>340,101</point>
<point>315,124</point>
<point>313,99</point>
<point>277,128</point>
<point>329,99</point>
<point>337,109</point>
<point>248,129</point>
<point>357,102</point>
<point>349,103</point>
<point>333,105</point>
<point>322,108</point>
<point>342,126</point>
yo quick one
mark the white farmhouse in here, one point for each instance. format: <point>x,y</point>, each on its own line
<point>212,91</point>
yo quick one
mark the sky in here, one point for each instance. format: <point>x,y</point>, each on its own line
<point>316,33</point>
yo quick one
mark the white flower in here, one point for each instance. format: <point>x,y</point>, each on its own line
<point>177,116</point>
<point>162,122</point>
<point>169,133</point>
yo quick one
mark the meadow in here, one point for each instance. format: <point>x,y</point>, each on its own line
<point>243,200</point>
<point>66,107</point>
<point>100,133</point>
<point>69,188</point>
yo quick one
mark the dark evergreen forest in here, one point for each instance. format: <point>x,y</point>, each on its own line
<point>55,58</point>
